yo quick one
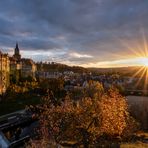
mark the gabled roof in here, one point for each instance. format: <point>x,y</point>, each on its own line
<point>27,61</point>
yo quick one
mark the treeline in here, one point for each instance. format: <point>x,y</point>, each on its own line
<point>57,67</point>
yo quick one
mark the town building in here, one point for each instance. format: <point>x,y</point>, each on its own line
<point>28,67</point>
<point>13,68</point>
<point>4,72</point>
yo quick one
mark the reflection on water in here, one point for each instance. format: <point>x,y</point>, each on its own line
<point>139,109</point>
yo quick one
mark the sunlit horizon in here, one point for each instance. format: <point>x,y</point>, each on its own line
<point>139,61</point>
<point>135,59</point>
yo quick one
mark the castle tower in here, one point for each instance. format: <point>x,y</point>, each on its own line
<point>17,53</point>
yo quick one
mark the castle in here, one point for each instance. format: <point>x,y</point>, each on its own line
<point>13,67</point>
<point>26,67</point>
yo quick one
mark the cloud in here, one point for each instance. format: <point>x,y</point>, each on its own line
<point>77,55</point>
<point>87,31</point>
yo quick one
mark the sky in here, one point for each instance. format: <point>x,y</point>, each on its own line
<point>89,33</point>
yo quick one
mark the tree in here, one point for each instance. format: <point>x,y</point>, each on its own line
<point>84,121</point>
<point>93,89</point>
<point>52,84</point>
<point>14,78</point>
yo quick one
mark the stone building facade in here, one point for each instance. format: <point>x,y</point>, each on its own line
<point>4,72</point>
<point>28,67</point>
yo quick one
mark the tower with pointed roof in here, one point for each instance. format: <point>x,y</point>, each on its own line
<point>17,55</point>
<point>21,67</point>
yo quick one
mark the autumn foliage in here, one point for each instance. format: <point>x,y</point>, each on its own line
<point>84,121</point>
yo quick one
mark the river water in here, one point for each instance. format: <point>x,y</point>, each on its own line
<point>141,100</point>
<point>139,109</point>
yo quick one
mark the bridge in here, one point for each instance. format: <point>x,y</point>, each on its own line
<point>136,92</point>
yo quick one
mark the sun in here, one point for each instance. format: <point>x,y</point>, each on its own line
<point>144,61</point>
<point>139,59</point>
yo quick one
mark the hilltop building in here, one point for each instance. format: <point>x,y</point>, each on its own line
<point>13,68</point>
<point>21,67</point>
<point>4,72</point>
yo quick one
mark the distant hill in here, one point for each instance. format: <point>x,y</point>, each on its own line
<point>57,67</point>
<point>129,71</point>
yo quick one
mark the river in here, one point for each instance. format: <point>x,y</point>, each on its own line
<point>139,109</point>
<point>141,100</point>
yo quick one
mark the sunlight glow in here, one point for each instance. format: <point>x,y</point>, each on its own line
<point>141,53</point>
<point>137,57</point>
<point>144,61</point>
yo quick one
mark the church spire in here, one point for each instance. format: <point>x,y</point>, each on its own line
<point>16,49</point>
<point>17,52</point>
<point>16,45</point>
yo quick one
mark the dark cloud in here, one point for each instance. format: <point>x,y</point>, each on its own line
<point>86,27</point>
